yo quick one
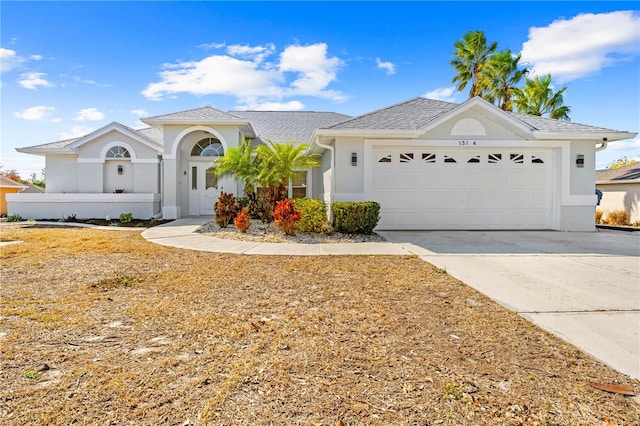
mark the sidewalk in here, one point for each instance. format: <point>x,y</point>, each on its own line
<point>180,234</point>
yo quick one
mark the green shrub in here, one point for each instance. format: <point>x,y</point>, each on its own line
<point>313,216</point>
<point>225,209</point>
<point>355,217</point>
<point>126,217</point>
<point>14,218</point>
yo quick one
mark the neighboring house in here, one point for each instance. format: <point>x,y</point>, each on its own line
<point>620,190</point>
<point>32,189</point>
<point>430,164</point>
<point>8,186</point>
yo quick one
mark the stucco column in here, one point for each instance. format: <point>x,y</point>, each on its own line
<point>170,207</point>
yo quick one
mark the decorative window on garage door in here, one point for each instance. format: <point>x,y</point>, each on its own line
<point>384,158</point>
<point>428,157</point>
<point>406,157</point>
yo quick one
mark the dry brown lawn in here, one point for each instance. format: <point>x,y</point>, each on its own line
<point>102,327</point>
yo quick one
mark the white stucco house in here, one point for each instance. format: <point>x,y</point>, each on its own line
<point>430,164</point>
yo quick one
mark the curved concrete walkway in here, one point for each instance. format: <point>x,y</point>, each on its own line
<point>180,233</point>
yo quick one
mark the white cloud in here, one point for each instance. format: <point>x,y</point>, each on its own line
<point>389,67</point>
<point>244,74</point>
<point>573,48</point>
<point>89,114</point>
<point>140,113</point>
<point>75,132</point>
<point>35,113</point>
<point>442,94</point>
<point>31,80</point>
<point>9,59</point>
<point>255,53</point>
<point>273,106</point>
<point>36,57</point>
<point>315,70</point>
<point>207,46</point>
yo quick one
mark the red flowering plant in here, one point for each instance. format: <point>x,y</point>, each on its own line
<point>243,220</point>
<point>286,216</point>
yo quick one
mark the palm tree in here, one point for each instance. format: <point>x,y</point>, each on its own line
<point>269,166</point>
<point>470,57</point>
<point>502,76</point>
<point>537,97</point>
<point>239,161</point>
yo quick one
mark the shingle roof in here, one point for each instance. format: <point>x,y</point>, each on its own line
<point>52,146</point>
<point>408,115</point>
<point>5,182</point>
<point>417,112</point>
<point>286,126</point>
<point>203,114</point>
<point>628,172</point>
<point>151,133</point>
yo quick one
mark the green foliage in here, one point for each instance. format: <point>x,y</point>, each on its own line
<point>242,220</point>
<point>286,216</point>
<point>452,390</point>
<point>126,217</point>
<point>537,97</point>
<point>269,166</point>
<point>31,374</point>
<point>225,209</point>
<point>356,217</point>
<point>502,74</point>
<point>470,57</point>
<point>313,216</point>
<point>14,218</point>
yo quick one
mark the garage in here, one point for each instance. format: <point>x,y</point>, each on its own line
<point>463,188</point>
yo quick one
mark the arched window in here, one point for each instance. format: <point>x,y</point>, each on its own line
<point>208,147</point>
<point>118,152</point>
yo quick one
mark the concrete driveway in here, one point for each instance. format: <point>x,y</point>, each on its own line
<point>583,287</point>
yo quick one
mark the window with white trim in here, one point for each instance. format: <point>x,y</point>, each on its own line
<point>118,152</point>
<point>208,147</point>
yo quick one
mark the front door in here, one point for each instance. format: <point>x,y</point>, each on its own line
<point>205,188</point>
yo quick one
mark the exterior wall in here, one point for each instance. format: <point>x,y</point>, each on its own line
<point>349,178</point>
<point>577,219</point>
<point>84,206</point>
<point>621,196</point>
<point>3,201</point>
<point>113,180</point>
<point>90,178</point>
<point>62,174</point>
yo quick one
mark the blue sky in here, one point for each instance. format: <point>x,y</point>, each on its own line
<point>71,67</point>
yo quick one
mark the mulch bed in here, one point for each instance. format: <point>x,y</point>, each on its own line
<point>106,328</point>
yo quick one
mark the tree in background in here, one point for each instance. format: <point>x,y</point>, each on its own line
<point>503,74</point>
<point>621,162</point>
<point>11,174</point>
<point>470,58</point>
<point>495,77</point>
<point>537,97</point>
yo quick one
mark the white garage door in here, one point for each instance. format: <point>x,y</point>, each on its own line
<point>425,188</point>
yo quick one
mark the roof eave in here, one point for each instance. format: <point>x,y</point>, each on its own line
<point>64,151</point>
<point>603,136</point>
<point>618,182</point>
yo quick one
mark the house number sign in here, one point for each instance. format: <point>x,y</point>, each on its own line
<point>467,143</point>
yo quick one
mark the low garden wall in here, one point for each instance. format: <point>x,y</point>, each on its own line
<point>83,206</point>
